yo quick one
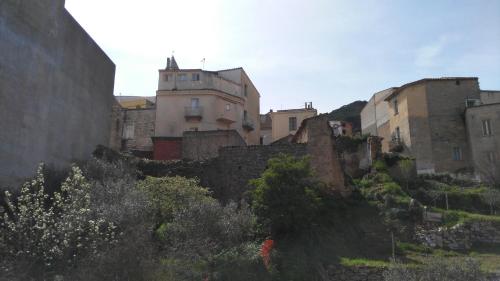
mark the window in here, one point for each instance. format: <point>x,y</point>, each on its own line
<point>166,77</point>
<point>397,135</point>
<point>195,77</point>
<point>396,109</point>
<point>194,129</point>
<point>292,123</point>
<point>457,153</point>
<point>228,107</point>
<point>486,127</point>
<point>195,102</point>
<point>128,133</point>
<point>181,77</point>
<point>245,115</point>
<point>245,90</point>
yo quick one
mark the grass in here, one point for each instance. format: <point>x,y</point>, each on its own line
<point>415,254</point>
<point>454,217</point>
<point>352,262</point>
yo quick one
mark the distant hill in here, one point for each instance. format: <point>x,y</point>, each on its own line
<point>349,113</point>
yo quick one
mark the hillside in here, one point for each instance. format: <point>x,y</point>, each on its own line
<point>350,113</point>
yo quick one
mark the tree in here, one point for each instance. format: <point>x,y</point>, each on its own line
<point>286,199</point>
<point>199,237</point>
<point>46,235</point>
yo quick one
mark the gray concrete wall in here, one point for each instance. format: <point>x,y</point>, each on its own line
<point>56,89</point>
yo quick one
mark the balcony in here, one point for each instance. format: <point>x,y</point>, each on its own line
<point>193,112</point>
<point>396,145</point>
<point>248,124</point>
<point>226,118</point>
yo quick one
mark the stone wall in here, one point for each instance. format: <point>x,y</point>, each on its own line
<point>203,145</point>
<point>228,174</point>
<point>325,162</point>
<point>356,273</point>
<point>460,236</point>
<point>56,89</point>
<point>237,165</point>
<point>141,123</point>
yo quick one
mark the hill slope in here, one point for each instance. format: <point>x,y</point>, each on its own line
<point>349,113</point>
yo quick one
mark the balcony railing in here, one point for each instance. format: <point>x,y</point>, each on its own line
<point>396,145</point>
<point>195,112</point>
<point>248,124</point>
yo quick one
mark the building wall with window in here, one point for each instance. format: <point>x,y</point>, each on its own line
<point>483,131</point>
<point>375,117</point>
<point>427,120</point>
<point>445,101</point>
<point>287,122</point>
<point>199,100</point>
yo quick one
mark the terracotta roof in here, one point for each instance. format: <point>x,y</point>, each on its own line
<point>399,89</point>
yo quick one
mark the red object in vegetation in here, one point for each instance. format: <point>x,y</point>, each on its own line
<point>265,252</point>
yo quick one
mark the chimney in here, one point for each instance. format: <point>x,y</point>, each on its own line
<point>305,105</point>
<point>168,63</point>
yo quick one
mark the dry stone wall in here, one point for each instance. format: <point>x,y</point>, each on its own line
<point>356,273</point>
<point>461,236</point>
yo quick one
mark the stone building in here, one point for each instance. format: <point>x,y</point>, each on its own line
<point>200,100</point>
<point>426,119</point>
<point>133,125</point>
<point>56,89</point>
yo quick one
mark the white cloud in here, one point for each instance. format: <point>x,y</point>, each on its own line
<point>428,55</point>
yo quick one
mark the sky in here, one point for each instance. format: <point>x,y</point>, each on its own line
<point>328,52</point>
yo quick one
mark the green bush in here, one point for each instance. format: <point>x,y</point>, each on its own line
<point>392,188</point>
<point>379,166</point>
<point>286,199</point>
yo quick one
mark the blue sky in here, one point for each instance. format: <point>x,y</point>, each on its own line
<point>328,52</point>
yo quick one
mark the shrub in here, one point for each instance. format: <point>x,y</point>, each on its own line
<point>199,237</point>
<point>46,235</point>
<point>286,199</point>
<point>392,188</point>
<point>379,166</point>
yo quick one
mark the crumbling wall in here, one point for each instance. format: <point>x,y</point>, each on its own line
<point>324,157</point>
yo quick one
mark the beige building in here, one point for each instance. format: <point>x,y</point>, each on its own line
<point>426,119</point>
<point>286,122</point>
<point>483,131</point>
<point>200,100</point>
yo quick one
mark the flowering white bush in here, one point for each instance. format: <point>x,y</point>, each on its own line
<point>44,235</point>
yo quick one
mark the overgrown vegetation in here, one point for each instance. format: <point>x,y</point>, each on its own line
<point>107,221</point>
